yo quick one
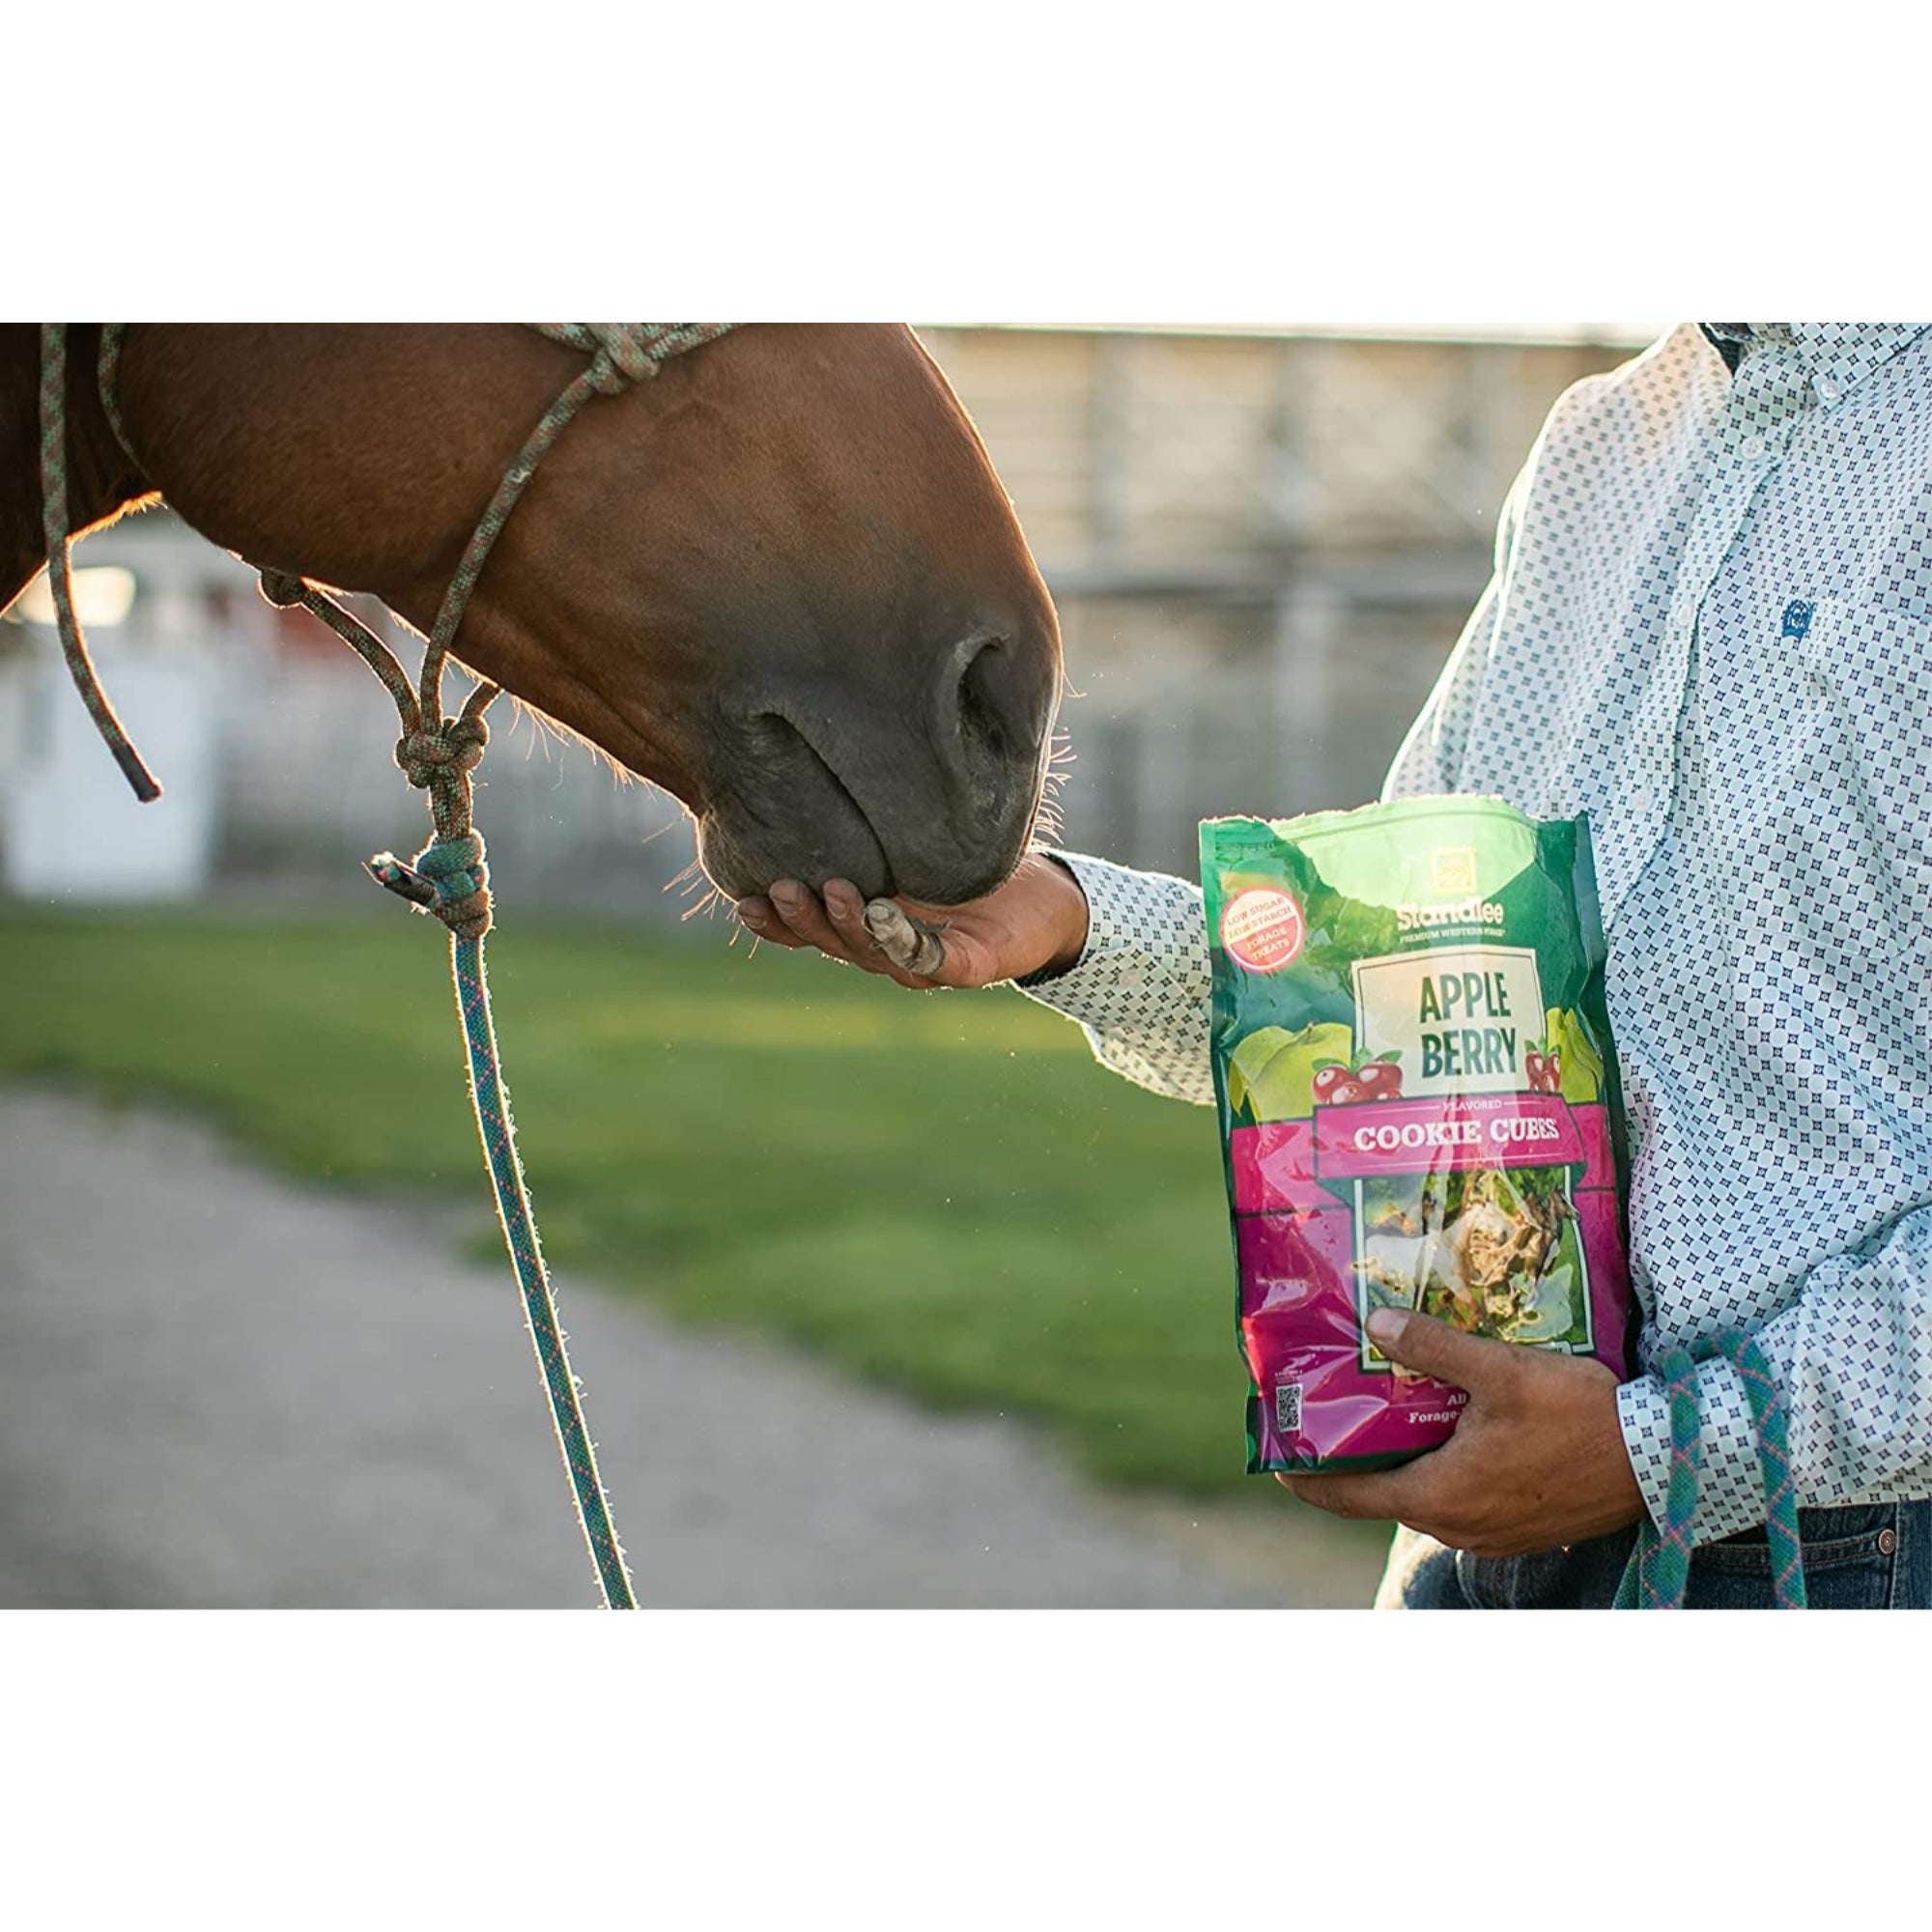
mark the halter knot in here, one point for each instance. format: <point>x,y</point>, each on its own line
<point>623,352</point>
<point>454,749</point>
<point>447,880</point>
<point>621,359</point>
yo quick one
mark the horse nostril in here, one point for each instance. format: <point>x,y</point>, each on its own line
<point>982,723</point>
<point>1001,704</point>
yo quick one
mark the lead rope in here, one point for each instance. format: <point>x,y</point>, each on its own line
<point>60,562</point>
<point>448,878</point>
<point>1660,1564</point>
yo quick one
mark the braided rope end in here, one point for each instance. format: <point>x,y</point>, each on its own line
<point>450,880</point>
<point>405,881</point>
<point>147,788</point>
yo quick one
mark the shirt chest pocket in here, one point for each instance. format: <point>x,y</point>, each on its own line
<point>1875,670</point>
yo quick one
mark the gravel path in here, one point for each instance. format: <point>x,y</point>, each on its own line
<point>220,1389</point>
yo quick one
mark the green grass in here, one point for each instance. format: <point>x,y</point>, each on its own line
<point>940,1193</point>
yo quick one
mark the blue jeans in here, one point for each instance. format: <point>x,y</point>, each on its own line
<point>1877,1557</point>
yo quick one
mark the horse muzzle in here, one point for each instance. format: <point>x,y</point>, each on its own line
<point>939,814</point>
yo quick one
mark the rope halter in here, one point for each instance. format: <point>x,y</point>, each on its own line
<point>436,754</point>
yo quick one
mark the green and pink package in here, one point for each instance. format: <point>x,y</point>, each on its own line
<point>1419,1106</point>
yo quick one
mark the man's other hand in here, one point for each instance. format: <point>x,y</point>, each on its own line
<point>1537,1460</point>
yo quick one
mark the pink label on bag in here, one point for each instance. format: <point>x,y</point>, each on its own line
<point>1462,1131</point>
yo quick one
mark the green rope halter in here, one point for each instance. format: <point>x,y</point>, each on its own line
<point>448,878</point>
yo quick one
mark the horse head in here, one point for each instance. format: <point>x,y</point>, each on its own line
<point>796,595</point>
<point>782,580</point>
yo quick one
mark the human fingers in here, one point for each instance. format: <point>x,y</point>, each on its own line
<point>803,916</point>
<point>810,922</point>
<point>1383,1496</point>
<point>912,945</point>
<point>1412,1495</point>
<point>1483,1366</point>
<point>760,918</point>
<point>873,948</point>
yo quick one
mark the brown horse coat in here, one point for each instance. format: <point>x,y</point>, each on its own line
<point>781,580</point>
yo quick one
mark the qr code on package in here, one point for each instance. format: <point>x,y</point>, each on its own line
<point>1288,1409</point>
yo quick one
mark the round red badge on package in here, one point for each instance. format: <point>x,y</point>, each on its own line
<point>1261,929</point>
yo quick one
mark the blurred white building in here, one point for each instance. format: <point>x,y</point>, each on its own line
<point>273,744</point>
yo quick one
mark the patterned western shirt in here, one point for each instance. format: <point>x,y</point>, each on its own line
<point>1710,627</point>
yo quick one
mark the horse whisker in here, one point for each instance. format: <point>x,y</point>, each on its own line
<point>710,902</point>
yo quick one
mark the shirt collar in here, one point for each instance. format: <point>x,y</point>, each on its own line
<point>1839,354</point>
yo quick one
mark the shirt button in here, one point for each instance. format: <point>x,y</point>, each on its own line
<point>1640,799</point>
<point>1888,1542</point>
<point>1755,450</point>
<point>1829,389</point>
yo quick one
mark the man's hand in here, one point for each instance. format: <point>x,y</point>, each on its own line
<point>1537,1460</point>
<point>1036,918</point>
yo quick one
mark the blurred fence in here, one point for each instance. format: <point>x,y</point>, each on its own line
<point>1260,547</point>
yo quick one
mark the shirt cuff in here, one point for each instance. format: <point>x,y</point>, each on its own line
<point>1138,925</point>
<point>1140,987</point>
<point>1047,975</point>
<point>1731,1488</point>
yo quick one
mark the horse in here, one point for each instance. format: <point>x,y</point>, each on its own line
<point>781,580</point>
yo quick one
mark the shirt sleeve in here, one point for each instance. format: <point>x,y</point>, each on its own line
<point>1852,1360</point>
<point>1140,987</point>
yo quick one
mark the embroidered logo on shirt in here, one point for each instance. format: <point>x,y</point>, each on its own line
<point>1796,617</point>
